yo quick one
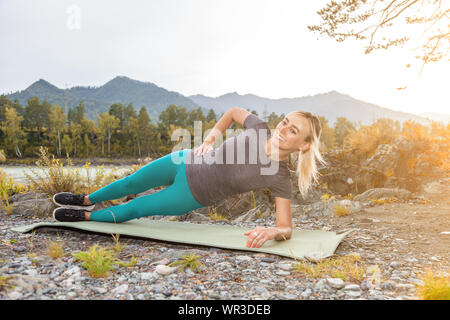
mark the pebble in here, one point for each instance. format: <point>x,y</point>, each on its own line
<point>336,283</point>
<point>164,270</point>
<point>306,293</point>
<point>352,287</point>
<point>228,274</point>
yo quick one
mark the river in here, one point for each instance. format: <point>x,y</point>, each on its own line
<point>17,172</point>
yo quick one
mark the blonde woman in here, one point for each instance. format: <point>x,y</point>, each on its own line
<point>252,159</point>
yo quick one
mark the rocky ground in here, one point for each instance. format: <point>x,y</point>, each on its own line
<point>401,239</point>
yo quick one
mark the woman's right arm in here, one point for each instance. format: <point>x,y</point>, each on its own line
<point>235,114</point>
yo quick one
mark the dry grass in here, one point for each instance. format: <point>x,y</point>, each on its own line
<point>347,268</point>
<point>55,249</point>
<point>436,286</point>
<point>56,177</point>
<point>340,211</point>
<point>214,215</point>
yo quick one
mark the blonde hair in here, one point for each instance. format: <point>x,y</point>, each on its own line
<point>306,163</point>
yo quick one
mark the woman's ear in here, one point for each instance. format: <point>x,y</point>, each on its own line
<point>305,147</point>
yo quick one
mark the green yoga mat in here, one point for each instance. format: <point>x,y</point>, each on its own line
<point>303,243</point>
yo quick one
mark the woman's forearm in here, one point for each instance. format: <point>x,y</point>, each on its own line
<point>223,124</point>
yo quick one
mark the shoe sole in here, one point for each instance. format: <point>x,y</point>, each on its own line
<point>87,208</point>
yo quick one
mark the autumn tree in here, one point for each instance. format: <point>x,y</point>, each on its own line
<point>342,128</point>
<point>37,115</point>
<point>327,137</point>
<point>57,124</point>
<point>382,24</point>
<point>13,131</point>
<point>107,123</point>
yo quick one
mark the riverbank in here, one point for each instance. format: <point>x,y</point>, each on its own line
<point>80,161</point>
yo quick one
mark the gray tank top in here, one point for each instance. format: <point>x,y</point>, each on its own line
<point>238,165</point>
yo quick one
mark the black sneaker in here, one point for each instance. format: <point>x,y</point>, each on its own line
<point>72,201</point>
<point>69,215</point>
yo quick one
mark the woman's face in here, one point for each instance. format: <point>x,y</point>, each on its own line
<point>291,132</point>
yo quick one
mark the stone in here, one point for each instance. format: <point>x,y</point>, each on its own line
<point>148,275</point>
<point>394,264</point>
<point>164,270</point>
<point>352,287</point>
<point>388,285</point>
<point>335,283</point>
<point>353,294</point>
<point>33,207</point>
<point>120,289</point>
<point>306,293</point>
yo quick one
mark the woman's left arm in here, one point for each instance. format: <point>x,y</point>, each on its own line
<point>283,230</point>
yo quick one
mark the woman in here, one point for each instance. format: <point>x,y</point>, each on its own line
<point>205,175</point>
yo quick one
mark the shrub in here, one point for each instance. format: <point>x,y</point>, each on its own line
<point>435,287</point>
<point>348,268</point>
<point>188,261</point>
<point>100,261</point>
<point>55,249</point>
<point>340,211</point>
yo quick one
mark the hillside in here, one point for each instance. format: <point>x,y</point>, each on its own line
<point>330,105</point>
<point>125,90</point>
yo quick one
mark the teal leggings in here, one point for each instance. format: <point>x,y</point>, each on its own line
<point>174,200</point>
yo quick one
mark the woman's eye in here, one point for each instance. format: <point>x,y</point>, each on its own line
<point>293,131</point>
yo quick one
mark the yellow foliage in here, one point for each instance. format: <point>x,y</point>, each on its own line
<point>435,287</point>
<point>340,211</point>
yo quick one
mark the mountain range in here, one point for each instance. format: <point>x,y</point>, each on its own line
<point>124,90</point>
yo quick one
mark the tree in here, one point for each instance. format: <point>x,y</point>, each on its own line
<point>13,132</point>
<point>37,115</point>
<point>175,115</point>
<point>327,136</point>
<point>342,128</point>
<point>76,115</point>
<point>107,123</point>
<point>144,129</point>
<point>211,115</point>
<point>67,144</point>
<point>57,125</point>
<point>384,24</point>
<point>273,120</point>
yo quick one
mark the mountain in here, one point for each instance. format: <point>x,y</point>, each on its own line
<point>98,99</point>
<point>125,90</point>
<point>435,116</point>
<point>330,105</point>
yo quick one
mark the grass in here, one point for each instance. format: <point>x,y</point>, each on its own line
<point>117,247</point>
<point>188,261</point>
<point>55,177</point>
<point>340,211</point>
<point>100,261</point>
<point>55,249</point>
<point>435,286</point>
<point>9,187</point>
<point>97,261</point>
<point>347,268</point>
<point>381,201</point>
<point>214,215</point>
<point>4,282</point>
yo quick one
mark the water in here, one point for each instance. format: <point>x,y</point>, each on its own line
<point>17,173</point>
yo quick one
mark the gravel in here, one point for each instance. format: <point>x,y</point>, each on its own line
<point>227,274</point>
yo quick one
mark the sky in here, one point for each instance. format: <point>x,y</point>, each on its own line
<point>209,47</point>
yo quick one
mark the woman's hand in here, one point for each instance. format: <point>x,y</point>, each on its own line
<point>204,148</point>
<point>259,235</point>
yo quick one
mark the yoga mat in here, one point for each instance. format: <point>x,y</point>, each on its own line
<point>303,244</point>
